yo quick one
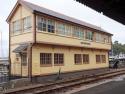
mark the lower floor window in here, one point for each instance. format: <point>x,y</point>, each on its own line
<point>45,58</point>
<point>78,58</point>
<point>100,59</point>
<point>58,58</point>
<point>81,58</point>
<point>85,59</point>
<point>103,58</point>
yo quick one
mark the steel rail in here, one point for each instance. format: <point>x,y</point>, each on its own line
<point>64,84</point>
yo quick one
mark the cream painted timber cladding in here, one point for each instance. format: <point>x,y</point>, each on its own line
<point>22,38</point>
<point>69,64</point>
<point>16,68</point>
<point>56,39</point>
<point>20,14</point>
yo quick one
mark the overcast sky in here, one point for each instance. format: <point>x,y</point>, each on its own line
<point>68,7</point>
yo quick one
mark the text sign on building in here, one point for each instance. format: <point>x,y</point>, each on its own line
<point>85,43</point>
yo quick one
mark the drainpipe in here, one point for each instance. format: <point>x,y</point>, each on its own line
<point>31,46</point>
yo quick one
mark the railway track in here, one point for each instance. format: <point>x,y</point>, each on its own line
<point>64,84</point>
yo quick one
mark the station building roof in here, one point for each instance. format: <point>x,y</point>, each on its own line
<point>114,9</point>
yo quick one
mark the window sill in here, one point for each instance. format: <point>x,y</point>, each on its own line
<point>78,63</point>
<point>46,65</point>
<point>85,63</point>
<point>58,64</point>
<point>20,34</point>
<point>24,65</point>
<point>98,63</point>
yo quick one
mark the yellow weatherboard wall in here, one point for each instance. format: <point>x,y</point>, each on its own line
<point>23,37</point>
<point>58,39</point>
<point>69,64</point>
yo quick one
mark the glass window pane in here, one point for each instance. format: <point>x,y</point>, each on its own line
<point>17,26</point>
<point>27,23</point>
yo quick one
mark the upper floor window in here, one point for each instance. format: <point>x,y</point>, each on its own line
<point>67,30</point>
<point>27,23</point>
<point>61,28</point>
<point>81,34</point>
<point>89,35</point>
<point>17,26</point>
<point>51,26</point>
<point>77,32</point>
<point>41,23</point>
<point>98,37</point>
<point>109,39</point>
<point>106,39</point>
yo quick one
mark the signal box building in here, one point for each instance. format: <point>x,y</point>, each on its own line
<point>42,42</point>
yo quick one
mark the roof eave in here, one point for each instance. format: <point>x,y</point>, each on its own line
<point>11,13</point>
<point>19,2</point>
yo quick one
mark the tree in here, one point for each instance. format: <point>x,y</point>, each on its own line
<point>118,48</point>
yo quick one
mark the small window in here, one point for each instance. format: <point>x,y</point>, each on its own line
<point>27,23</point>
<point>42,24</point>
<point>51,26</point>
<point>85,59</point>
<point>98,59</point>
<point>67,30</point>
<point>17,57</point>
<point>58,58</point>
<point>89,35</point>
<point>78,59</point>
<point>61,28</point>
<point>45,58</point>
<point>98,37</point>
<point>77,32</point>
<point>109,39</point>
<point>17,26</point>
<point>24,59</point>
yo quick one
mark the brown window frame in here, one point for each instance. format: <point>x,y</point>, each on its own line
<point>17,27</point>
<point>85,58</point>
<point>58,59</point>
<point>27,23</point>
<point>42,24</point>
<point>45,59</point>
<point>98,58</point>
<point>78,58</point>
<point>103,58</point>
<point>24,59</point>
